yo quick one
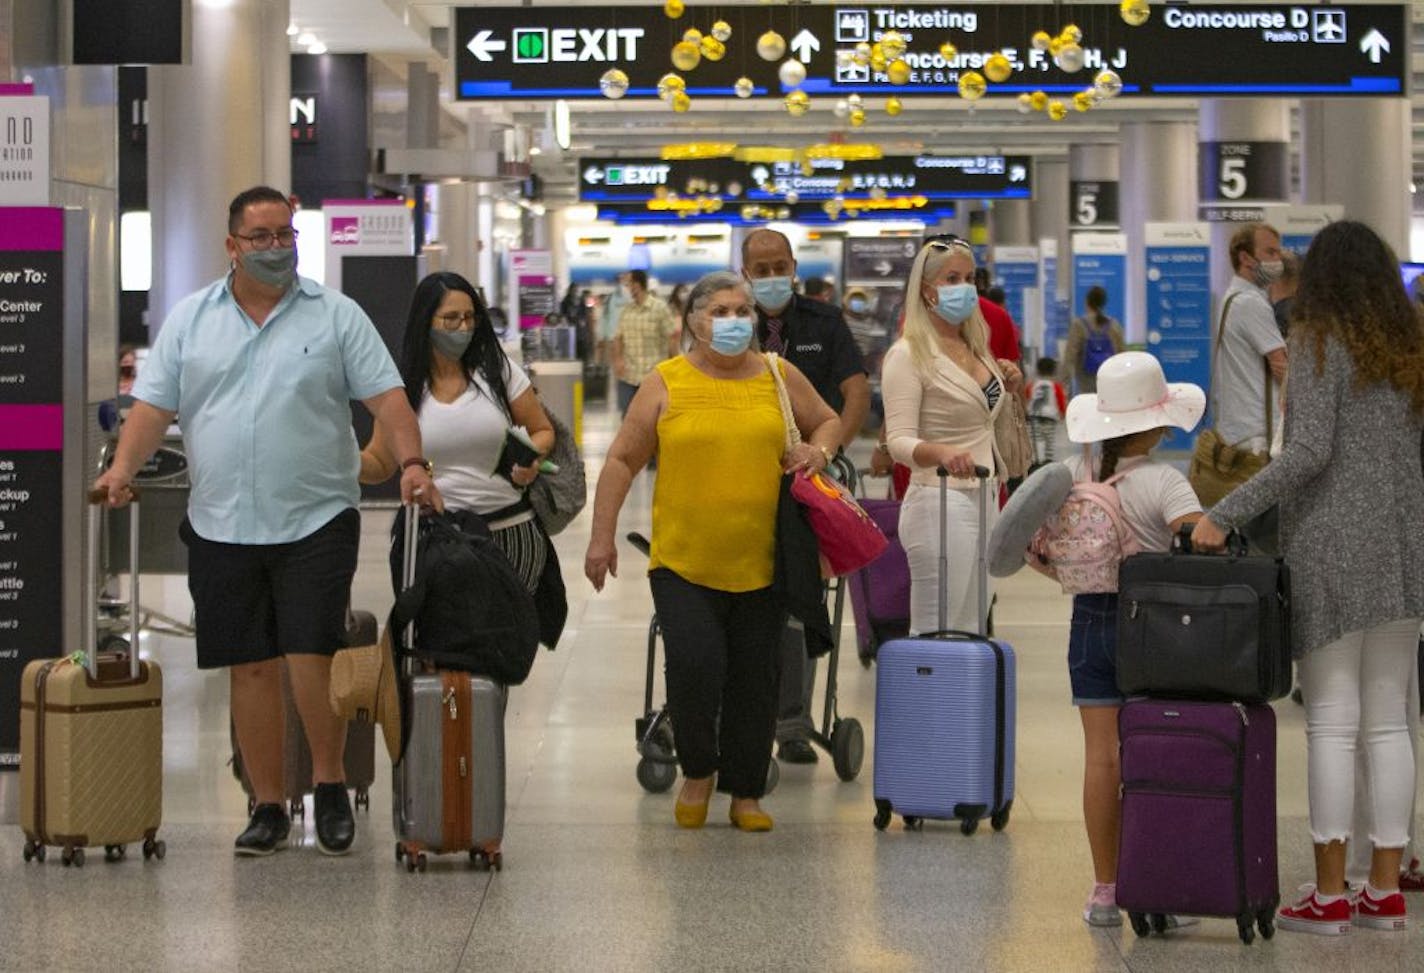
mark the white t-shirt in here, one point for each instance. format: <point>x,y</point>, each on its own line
<point>1238,383</point>
<point>463,440</point>
<point>1153,495</point>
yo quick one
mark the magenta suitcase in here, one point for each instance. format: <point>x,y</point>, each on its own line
<point>880,591</point>
<point>1198,814</point>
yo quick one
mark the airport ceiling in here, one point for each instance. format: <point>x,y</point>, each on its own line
<point>401,31</point>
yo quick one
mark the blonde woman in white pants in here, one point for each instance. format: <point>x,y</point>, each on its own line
<point>942,390</point>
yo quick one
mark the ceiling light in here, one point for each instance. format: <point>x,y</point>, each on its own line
<point>293,30</point>
<point>306,39</point>
<point>317,48</point>
<point>535,150</point>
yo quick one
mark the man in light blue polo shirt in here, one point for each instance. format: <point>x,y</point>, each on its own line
<point>259,368</point>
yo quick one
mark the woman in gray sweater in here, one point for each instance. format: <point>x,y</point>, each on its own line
<point>1351,499</point>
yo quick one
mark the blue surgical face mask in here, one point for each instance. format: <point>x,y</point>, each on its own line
<point>731,336</point>
<point>772,293</point>
<point>856,305</point>
<point>955,302</point>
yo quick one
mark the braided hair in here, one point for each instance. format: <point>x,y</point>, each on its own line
<point>1110,453</point>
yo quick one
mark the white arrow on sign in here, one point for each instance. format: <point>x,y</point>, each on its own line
<point>803,44</point>
<point>481,46</point>
<point>883,268</point>
<point>1373,44</point>
<point>593,174</point>
<point>1017,174</point>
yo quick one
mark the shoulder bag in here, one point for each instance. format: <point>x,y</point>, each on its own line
<point>1218,467</point>
<point>557,498</point>
<point>1011,436</point>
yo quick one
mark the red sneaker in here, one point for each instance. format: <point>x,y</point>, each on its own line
<point>1313,916</point>
<point>1411,879</point>
<point>1384,913</point>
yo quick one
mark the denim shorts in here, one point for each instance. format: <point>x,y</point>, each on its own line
<point>1092,651</point>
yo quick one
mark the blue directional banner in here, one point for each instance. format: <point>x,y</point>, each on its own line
<point>1216,50</point>
<point>1179,325</point>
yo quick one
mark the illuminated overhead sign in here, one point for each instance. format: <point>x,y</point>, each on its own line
<point>934,177</point>
<point>1217,50</point>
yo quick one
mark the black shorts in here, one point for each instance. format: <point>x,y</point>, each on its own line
<point>253,602</point>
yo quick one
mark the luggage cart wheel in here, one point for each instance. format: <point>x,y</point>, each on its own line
<point>773,776</point>
<point>847,748</point>
<point>1139,923</point>
<point>914,823</point>
<point>1244,930</point>
<point>882,815</point>
<point>1159,922</point>
<point>999,820</point>
<point>656,776</point>
<point>969,825</point>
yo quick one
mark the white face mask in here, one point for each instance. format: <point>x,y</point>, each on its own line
<point>1269,271</point>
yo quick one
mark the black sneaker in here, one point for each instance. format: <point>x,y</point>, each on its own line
<point>266,831</point>
<point>796,752</point>
<point>335,826</point>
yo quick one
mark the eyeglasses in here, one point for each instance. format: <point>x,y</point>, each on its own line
<point>265,239</point>
<point>456,321</point>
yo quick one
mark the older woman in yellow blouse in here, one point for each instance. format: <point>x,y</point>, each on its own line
<point>942,392</point>
<point>712,417</point>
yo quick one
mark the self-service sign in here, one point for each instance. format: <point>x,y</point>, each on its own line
<point>1198,50</point>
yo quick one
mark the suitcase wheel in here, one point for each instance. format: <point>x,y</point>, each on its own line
<point>33,850</point>
<point>485,861</point>
<point>1159,923</point>
<point>914,823</point>
<point>999,820</point>
<point>1266,922</point>
<point>882,814</point>
<point>967,826</point>
<point>114,853</point>
<point>1139,923</point>
<point>72,856</point>
<point>154,849</point>
<point>847,748</point>
<point>1244,929</point>
<point>400,853</point>
<point>415,861</point>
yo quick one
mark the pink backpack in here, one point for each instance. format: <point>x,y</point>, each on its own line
<point>1086,540</point>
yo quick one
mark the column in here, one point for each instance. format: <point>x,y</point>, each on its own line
<point>1048,216</point>
<point>1010,223</point>
<point>1343,140</point>
<point>1158,185</point>
<point>1243,157</point>
<point>217,126</point>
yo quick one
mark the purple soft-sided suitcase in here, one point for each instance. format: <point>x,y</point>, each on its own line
<point>880,591</point>
<point>1198,813</point>
<point>944,715</point>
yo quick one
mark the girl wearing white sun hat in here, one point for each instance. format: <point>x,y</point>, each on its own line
<point>1127,416</point>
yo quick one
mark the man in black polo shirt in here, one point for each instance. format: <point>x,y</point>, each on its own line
<point>813,336</point>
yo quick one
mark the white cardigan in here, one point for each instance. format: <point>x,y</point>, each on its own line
<point>949,408</point>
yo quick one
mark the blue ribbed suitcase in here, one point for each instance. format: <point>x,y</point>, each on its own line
<point>944,715</point>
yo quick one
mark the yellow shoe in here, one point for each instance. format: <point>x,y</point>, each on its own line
<point>691,815</point>
<point>750,820</point>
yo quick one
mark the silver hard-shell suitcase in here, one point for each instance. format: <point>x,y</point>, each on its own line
<point>449,784</point>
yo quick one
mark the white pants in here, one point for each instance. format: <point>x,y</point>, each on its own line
<point>1358,867</point>
<point>920,533</point>
<point>1355,695</point>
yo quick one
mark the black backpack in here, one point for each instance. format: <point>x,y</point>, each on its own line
<point>471,611</point>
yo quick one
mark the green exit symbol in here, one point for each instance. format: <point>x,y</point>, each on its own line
<point>531,45</point>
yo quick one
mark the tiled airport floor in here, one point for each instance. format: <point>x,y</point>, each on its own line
<point>597,877</point>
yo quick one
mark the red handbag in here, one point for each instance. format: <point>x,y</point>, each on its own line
<point>847,537</point>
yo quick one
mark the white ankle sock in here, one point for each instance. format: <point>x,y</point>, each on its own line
<point>1378,894</point>
<point>1324,899</point>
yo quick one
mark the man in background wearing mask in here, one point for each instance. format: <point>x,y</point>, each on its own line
<point>261,366</point>
<point>1248,355</point>
<point>647,334</point>
<point>813,336</point>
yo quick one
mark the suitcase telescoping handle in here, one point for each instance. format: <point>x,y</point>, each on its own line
<point>410,542</point>
<point>982,474</point>
<point>98,510</point>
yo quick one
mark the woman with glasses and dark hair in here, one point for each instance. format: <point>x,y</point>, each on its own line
<point>467,394</point>
<point>942,391</point>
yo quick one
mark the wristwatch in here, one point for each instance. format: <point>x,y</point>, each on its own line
<point>420,461</point>
<point>827,454</point>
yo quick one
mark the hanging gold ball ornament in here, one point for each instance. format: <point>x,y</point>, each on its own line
<point>971,86</point>
<point>845,58</point>
<point>743,88</point>
<point>1055,45</point>
<point>1057,110</point>
<point>613,84</point>
<point>797,103</point>
<point>686,55</point>
<point>771,46</point>
<point>1039,100</point>
<point>1108,83</point>
<point>692,35</point>
<point>892,43</point>
<point>998,68</point>
<point>1084,101</point>
<point>898,71</point>
<point>1070,58</point>
<point>1135,12</point>
<point>712,49</point>
<point>1072,34</point>
<point>878,61</point>
<point>1040,40</point>
<point>842,108</point>
<point>722,31</point>
<point>857,117</point>
<point>893,106</point>
<point>792,72</point>
<point>792,198</point>
<point>1025,101</point>
<point>948,51</point>
<point>680,101</point>
<point>674,8</point>
<point>855,101</point>
<point>862,54</point>
<point>669,85</point>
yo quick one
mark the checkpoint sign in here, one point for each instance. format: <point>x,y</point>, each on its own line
<point>1218,50</point>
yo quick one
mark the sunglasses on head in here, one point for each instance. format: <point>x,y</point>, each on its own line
<point>948,241</point>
